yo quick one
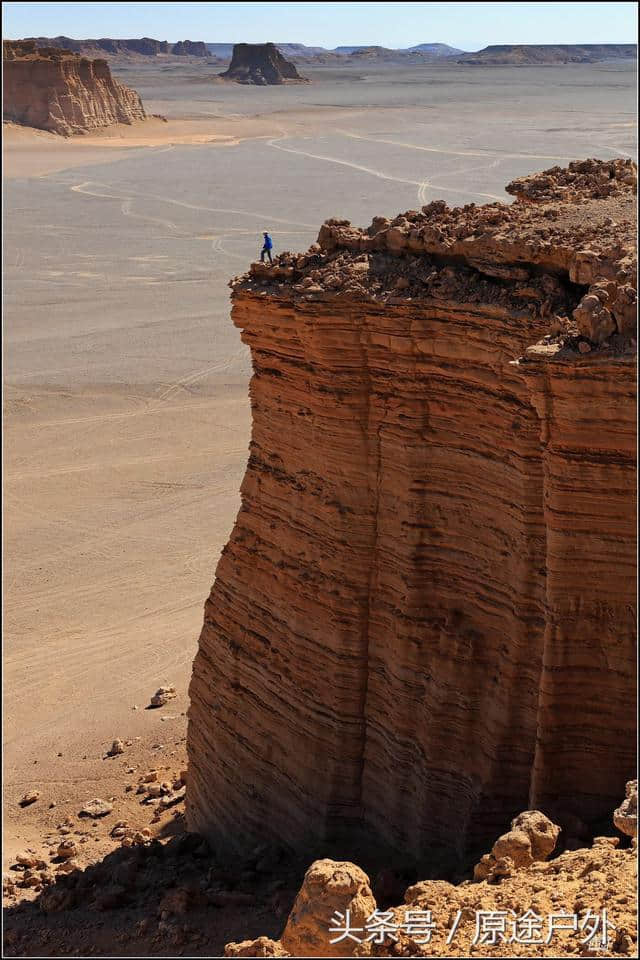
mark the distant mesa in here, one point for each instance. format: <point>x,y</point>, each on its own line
<point>348,51</point>
<point>301,52</point>
<point>367,53</point>
<point>516,54</point>
<point>54,89</point>
<point>436,50</point>
<point>261,64</point>
<point>189,48</point>
<point>141,47</point>
<point>421,51</point>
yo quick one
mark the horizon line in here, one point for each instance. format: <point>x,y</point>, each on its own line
<point>517,43</point>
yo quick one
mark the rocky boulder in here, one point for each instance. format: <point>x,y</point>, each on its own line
<point>532,837</point>
<point>625,818</point>
<point>329,888</point>
<point>262,947</point>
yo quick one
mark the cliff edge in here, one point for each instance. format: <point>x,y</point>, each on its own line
<point>56,90</point>
<point>423,621</point>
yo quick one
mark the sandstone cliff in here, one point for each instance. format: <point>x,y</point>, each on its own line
<point>423,621</point>
<point>260,64</point>
<point>53,89</point>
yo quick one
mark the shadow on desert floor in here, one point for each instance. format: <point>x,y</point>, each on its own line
<point>152,898</point>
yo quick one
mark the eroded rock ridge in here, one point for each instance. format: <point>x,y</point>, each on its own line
<point>136,48</point>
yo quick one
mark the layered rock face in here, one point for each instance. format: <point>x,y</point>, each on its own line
<point>55,90</point>
<point>261,64</point>
<point>423,621</point>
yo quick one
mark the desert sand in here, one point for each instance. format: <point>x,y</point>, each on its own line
<point>126,409</point>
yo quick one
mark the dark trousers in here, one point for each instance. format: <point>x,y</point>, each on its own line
<point>268,253</point>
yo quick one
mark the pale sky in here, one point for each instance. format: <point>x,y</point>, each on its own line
<point>468,26</point>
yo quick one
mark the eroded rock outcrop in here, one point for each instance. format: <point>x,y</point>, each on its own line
<point>261,64</point>
<point>423,621</point>
<point>56,90</point>
<point>532,837</point>
<point>260,947</point>
<point>329,889</point>
<point>625,817</point>
<point>520,908</point>
<point>190,48</point>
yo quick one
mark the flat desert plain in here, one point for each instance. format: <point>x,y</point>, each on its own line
<point>125,384</point>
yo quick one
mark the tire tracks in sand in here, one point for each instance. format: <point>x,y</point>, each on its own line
<point>420,184</point>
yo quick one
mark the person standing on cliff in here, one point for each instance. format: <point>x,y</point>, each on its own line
<point>266,248</point>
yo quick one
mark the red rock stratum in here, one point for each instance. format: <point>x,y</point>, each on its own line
<point>423,622</point>
<point>56,90</point>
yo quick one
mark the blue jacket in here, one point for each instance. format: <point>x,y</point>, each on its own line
<point>268,242</point>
